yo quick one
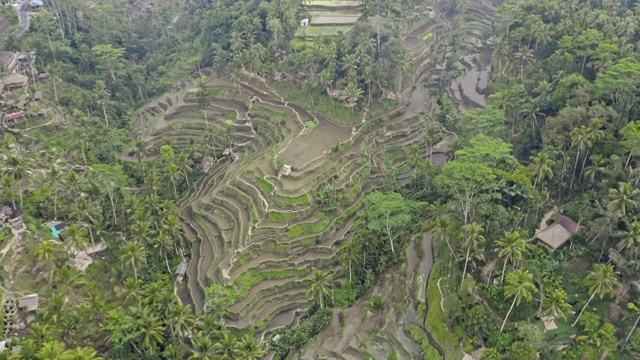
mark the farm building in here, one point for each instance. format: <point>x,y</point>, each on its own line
<point>207,163</point>
<point>285,170</point>
<point>37,96</point>
<point>181,271</point>
<point>14,118</point>
<point>556,234</point>
<point>15,82</point>
<point>9,60</point>
<point>11,211</point>
<point>28,303</point>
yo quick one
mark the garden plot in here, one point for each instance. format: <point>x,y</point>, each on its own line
<point>328,17</point>
<point>331,18</point>
<point>317,143</point>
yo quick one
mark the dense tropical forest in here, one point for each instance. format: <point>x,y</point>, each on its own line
<point>301,179</point>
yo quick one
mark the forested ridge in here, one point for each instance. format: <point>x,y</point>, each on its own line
<point>334,190</point>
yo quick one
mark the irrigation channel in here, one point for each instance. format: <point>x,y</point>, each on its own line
<point>260,233</point>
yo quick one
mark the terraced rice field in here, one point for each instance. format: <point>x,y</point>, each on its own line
<point>263,234</point>
<point>328,17</point>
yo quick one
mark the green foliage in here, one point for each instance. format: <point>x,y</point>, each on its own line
<point>219,299</point>
<point>267,187</point>
<point>9,13</point>
<point>293,339</point>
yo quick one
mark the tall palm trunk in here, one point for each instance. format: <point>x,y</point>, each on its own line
<point>509,312</point>
<point>55,204</point>
<point>464,272</point>
<point>632,329</point>
<point>584,162</point>
<point>104,110</point>
<point>446,238</point>
<point>585,306</point>
<point>504,267</point>
<point>575,167</point>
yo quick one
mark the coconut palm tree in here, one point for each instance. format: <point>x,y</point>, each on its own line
<point>581,139</point>
<point>512,246</point>
<point>226,347</point>
<point>48,251</point>
<point>440,228</point>
<point>597,167</point>
<point>237,44</point>
<point>150,330</point>
<point>555,304</point>
<point>55,180</point>
<point>348,255</point>
<point>134,255</point>
<point>164,244</point>
<point>623,198</point>
<point>18,169</point>
<point>404,66</point>
<point>353,91</point>
<point>203,348</point>
<point>211,135</point>
<point>248,348</point>
<point>414,156</point>
<point>42,333</point>
<point>89,212</point>
<point>472,241</point>
<point>601,281</point>
<point>541,167</point>
<point>175,352</point>
<point>182,321</point>
<point>67,278</point>
<point>319,285</point>
<point>365,242</point>
<point>185,165</point>
<point>636,309</point>
<point>9,188</point>
<point>84,353</point>
<point>53,350</point>
<point>172,173</point>
<point>141,149</point>
<point>77,237</point>
<point>229,135</point>
<point>630,239</point>
<point>519,286</point>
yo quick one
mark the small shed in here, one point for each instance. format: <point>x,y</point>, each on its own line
<point>304,22</point>
<point>28,303</point>
<point>36,4</point>
<point>11,211</point>
<point>57,230</point>
<point>477,355</point>
<point>549,323</point>
<point>22,102</point>
<point>37,96</point>
<point>181,271</point>
<point>556,234</point>
<point>14,118</point>
<point>206,164</point>
<point>285,170</point>
<point>182,268</point>
<point>15,82</point>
